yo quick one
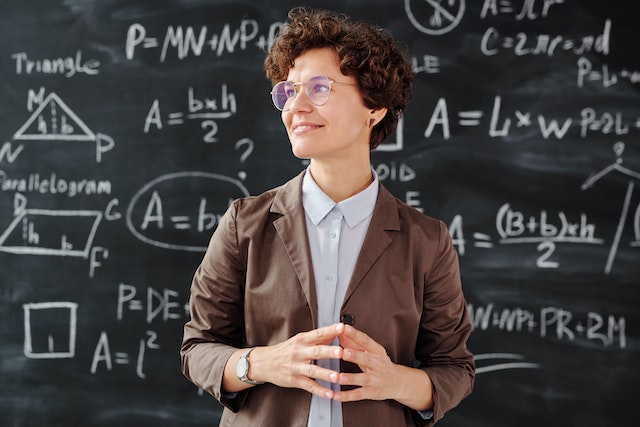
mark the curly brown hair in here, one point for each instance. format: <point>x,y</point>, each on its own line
<point>368,53</point>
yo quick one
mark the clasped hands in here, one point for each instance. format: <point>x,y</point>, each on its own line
<point>291,364</point>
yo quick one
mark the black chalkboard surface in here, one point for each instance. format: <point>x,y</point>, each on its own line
<point>126,127</point>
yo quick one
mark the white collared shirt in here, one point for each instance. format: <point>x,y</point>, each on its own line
<point>336,232</point>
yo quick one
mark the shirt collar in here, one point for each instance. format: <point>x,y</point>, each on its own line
<point>355,209</point>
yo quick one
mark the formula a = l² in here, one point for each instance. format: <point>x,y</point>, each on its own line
<point>53,121</point>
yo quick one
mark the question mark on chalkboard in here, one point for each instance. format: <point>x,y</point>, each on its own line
<point>245,154</point>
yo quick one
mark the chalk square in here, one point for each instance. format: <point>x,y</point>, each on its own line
<point>50,330</point>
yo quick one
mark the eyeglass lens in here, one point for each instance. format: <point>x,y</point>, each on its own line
<point>317,89</point>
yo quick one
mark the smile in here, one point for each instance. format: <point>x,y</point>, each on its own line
<point>304,127</point>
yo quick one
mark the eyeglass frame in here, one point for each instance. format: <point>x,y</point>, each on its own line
<point>306,90</point>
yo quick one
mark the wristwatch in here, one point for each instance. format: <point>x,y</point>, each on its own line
<point>242,368</point>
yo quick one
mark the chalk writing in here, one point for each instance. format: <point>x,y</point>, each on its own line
<point>57,232</point>
<point>53,120</point>
<point>552,323</point>
<point>50,330</point>
<point>402,172</point>
<point>158,303</point>
<point>207,110</point>
<point>52,183</point>
<point>66,233</point>
<point>159,206</point>
<point>427,64</point>
<point>103,354</point>
<point>393,171</point>
<point>494,43</point>
<point>188,41</point>
<point>130,128</point>
<point>397,143</point>
<point>434,17</point>
<point>632,175</point>
<point>501,126</point>
<point>607,77</point>
<point>504,361</point>
<point>246,146</point>
<point>530,10</point>
<point>68,66</point>
<point>9,153</point>
<point>515,227</point>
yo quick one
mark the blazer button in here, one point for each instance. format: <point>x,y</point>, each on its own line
<point>348,319</point>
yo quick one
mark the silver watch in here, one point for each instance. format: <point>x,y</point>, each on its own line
<point>242,368</point>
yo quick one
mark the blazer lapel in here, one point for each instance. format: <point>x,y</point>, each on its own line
<point>385,218</point>
<point>292,229</point>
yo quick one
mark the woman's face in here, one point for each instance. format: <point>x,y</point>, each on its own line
<point>338,129</point>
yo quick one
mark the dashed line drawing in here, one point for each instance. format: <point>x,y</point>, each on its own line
<point>53,120</point>
<point>618,148</point>
<point>48,232</point>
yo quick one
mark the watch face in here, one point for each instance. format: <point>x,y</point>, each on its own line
<point>242,367</point>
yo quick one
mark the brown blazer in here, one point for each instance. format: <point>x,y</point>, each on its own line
<point>255,287</point>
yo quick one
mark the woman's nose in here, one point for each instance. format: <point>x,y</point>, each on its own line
<point>300,101</point>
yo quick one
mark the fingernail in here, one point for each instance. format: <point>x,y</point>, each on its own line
<point>336,352</point>
<point>333,378</point>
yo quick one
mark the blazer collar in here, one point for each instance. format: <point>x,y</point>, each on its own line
<point>288,197</point>
<point>291,228</point>
<point>384,222</point>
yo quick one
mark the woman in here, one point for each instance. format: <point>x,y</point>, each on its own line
<point>327,301</point>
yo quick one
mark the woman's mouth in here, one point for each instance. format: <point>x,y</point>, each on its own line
<point>303,127</point>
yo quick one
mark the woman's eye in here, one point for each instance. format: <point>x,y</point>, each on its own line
<point>320,88</point>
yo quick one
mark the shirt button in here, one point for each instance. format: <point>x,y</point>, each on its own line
<point>333,234</point>
<point>328,278</point>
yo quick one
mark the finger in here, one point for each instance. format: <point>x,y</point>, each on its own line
<point>358,380</point>
<point>311,370</point>
<point>314,387</point>
<point>320,352</point>
<point>360,358</point>
<point>364,387</point>
<point>356,394</point>
<point>323,335</point>
<point>358,340</point>
<point>308,377</point>
<point>347,342</point>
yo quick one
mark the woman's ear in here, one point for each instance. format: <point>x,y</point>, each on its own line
<point>376,116</point>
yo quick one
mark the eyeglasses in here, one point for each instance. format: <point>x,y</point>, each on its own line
<point>317,88</point>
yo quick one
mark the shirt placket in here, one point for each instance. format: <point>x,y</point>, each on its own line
<point>327,311</point>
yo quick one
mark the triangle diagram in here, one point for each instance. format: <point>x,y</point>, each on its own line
<point>53,120</point>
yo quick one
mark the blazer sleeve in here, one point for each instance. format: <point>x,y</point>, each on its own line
<point>445,327</point>
<point>216,327</point>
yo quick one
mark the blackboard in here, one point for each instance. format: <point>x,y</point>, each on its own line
<point>126,127</point>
